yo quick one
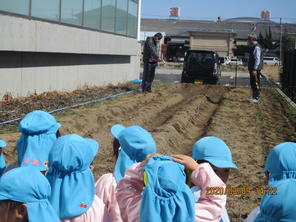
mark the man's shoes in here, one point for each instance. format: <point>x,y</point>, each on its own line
<point>254,100</point>
<point>149,91</point>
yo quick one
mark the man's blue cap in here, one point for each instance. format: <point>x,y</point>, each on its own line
<point>136,143</point>
<point>2,144</point>
<point>281,160</point>
<point>213,150</point>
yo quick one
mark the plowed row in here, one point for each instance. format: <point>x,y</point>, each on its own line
<point>178,115</point>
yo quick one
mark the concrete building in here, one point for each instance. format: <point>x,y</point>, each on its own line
<point>215,35</point>
<point>221,42</point>
<point>50,45</point>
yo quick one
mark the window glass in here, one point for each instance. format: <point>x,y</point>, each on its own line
<point>15,6</point>
<point>72,12</point>
<point>92,14</point>
<point>46,9</point>
<point>121,16</point>
<point>132,18</point>
<point>108,15</point>
<point>197,59</point>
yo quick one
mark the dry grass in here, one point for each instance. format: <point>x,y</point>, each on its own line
<point>12,108</point>
<point>272,72</point>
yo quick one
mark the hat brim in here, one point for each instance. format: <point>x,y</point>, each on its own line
<point>2,144</point>
<point>116,129</point>
<point>222,163</point>
<point>122,164</point>
<point>94,145</point>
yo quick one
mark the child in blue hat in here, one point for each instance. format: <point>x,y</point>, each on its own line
<point>213,151</point>
<point>24,195</point>
<point>2,159</point>
<point>279,201</point>
<point>39,132</point>
<point>72,181</point>
<point>156,190</point>
<point>131,145</point>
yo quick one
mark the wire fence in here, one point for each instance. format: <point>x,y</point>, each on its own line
<point>288,76</point>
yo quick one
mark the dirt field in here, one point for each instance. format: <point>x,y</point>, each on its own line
<point>178,115</point>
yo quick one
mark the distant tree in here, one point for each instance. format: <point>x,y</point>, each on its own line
<point>267,42</point>
<point>288,43</point>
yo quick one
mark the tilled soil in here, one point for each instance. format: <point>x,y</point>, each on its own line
<point>180,114</point>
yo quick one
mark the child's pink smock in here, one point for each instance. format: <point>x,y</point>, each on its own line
<point>106,191</point>
<point>96,213</point>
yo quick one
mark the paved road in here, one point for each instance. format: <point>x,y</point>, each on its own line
<point>228,78</point>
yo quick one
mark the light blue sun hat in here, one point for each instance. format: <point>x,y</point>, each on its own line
<point>38,130</point>
<point>70,176</point>
<point>136,143</point>
<point>213,150</point>
<point>166,196</point>
<point>27,185</point>
<point>2,159</point>
<point>280,162</point>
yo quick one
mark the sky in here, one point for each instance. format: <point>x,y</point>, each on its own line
<point>211,9</point>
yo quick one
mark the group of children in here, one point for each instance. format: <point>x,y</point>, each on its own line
<point>52,179</point>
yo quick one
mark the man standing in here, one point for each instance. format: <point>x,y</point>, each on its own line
<point>255,66</point>
<point>150,59</point>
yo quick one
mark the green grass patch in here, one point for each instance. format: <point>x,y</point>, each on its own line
<point>291,111</point>
<point>259,114</point>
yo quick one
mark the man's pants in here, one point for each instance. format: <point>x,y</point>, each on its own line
<point>255,84</point>
<point>148,76</point>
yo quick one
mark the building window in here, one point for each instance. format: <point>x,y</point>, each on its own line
<point>92,14</point>
<point>72,12</point>
<point>15,6</point>
<point>121,16</point>
<point>115,16</point>
<point>132,18</point>
<point>46,9</point>
<point>108,15</point>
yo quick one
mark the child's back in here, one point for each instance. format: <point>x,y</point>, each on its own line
<point>163,185</point>
<point>131,145</point>
<point>73,192</point>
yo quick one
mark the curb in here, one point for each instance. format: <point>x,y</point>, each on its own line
<point>280,92</point>
<point>288,100</point>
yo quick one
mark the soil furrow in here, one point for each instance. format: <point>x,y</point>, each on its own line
<point>179,114</point>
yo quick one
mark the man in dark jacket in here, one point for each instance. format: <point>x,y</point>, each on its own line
<point>255,65</point>
<point>150,59</point>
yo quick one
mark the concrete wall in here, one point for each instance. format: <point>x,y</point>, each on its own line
<point>37,56</point>
<point>22,34</point>
<point>25,73</point>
